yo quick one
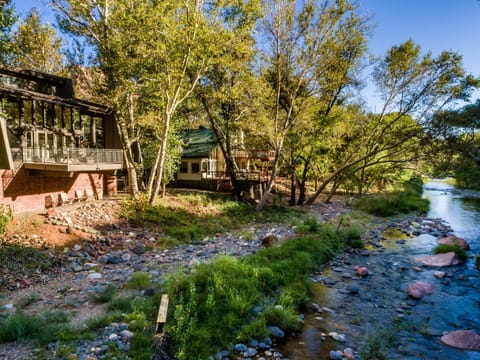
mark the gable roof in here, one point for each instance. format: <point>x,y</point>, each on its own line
<point>198,143</point>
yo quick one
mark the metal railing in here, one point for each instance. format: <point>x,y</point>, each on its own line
<point>74,156</point>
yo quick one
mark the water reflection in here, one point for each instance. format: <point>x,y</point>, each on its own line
<point>382,308</point>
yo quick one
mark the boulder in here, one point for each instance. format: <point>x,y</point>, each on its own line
<point>454,240</point>
<point>462,339</point>
<point>439,260</point>
<point>361,270</point>
<point>419,289</point>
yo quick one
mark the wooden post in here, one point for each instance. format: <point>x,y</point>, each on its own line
<point>162,314</point>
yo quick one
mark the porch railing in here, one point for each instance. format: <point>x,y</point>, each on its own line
<point>77,156</point>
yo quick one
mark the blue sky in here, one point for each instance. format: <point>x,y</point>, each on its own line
<point>435,25</point>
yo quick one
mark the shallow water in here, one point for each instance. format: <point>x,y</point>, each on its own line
<point>409,329</point>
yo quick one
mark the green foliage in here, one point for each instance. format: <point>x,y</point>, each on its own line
<point>310,224</point>
<point>195,216</point>
<point>284,317</point>
<point>104,295</point>
<point>139,280</point>
<point>458,250</point>
<point>21,326</point>
<point>373,350</point>
<point>6,216</point>
<point>37,46</point>
<point>352,237</point>
<point>214,304</point>
<point>16,258</point>
<point>27,301</point>
<point>396,202</point>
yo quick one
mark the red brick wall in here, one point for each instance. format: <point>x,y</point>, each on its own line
<point>26,192</point>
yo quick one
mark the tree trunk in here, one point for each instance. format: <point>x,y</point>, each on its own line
<point>293,188</point>
<point>271,180</point>
<point>162,153</point>
<point>129,159</point>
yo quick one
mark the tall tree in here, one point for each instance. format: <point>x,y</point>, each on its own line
<point>411,84</point>
<point>37,46</point>
<point>152,53</point>
<point>7,19</point>
<point>297,51</point>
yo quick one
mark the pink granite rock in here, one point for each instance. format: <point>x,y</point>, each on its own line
<point>439,260</point>
<point>361,270</point>
<point>419,289</point>
<point>454,240</point>
<point>462,339</point>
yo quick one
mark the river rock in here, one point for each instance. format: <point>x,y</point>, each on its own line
<point>454,240</point>
<point>439,260</point>
<point>361,270</point>
<point>462,339</point>
<point>419,289</point>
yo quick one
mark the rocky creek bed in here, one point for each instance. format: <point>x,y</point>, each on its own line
<point>109,251</point>
<point>354,310</point>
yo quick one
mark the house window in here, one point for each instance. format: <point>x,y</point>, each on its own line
<point>195,167</point>
<point>183,167</point>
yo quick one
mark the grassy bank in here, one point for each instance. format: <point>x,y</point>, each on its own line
<point>236,299</point>
<point>187,217</point>
<point>405,200</point>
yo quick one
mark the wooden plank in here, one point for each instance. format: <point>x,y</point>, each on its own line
<point>162,312</point>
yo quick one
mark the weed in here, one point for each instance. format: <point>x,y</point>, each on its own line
<point>194,217</point>
<point>444,248</point>
<point>404,201</point>
<point>21,326</point>
<point>15,258</point>
<point>218,298</point>
<point>373,350</point>
<point>27,301</point>
<point>104,295</point>
<point>139,280</point>
<point>6,215</point>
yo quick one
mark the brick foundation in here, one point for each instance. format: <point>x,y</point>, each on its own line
<point>26,192</point>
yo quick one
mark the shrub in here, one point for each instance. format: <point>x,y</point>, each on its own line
<point>6,216</point>
<point>139,280</point>
<point>104,295</point>
<point>214,305</point>
<point>373,350</point>
<point>21,326</point>
<point>444,248</point>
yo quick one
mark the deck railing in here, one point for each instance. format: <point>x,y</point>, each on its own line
<point>77,156</point>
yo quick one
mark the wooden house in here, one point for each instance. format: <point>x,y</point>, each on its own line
<point>53,147</point>
<point>203,165</point>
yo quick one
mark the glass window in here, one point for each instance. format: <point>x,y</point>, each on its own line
<point>183,167</point>
<point>195,167</point>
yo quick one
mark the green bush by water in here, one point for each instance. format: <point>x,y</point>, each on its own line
<point>404,201</point>
<point>235,299</point>
<point>458,250</point>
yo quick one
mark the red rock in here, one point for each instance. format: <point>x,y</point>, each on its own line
<point>361,270</point>
<point>454,240</point>
<point>420,289</point>
<point>417,269</point>
<point>439,260</point>
<point>462,339</point>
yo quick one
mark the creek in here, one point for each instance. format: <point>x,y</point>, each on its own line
<point>377,309</point>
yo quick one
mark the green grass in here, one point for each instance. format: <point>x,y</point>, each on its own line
<point>458,250</point>
<point>404,201</point>
<point>213,306</point>
<point>185,218</point>
<point>42,328</point>
<point>104,295</point>
<point>16,258</point>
